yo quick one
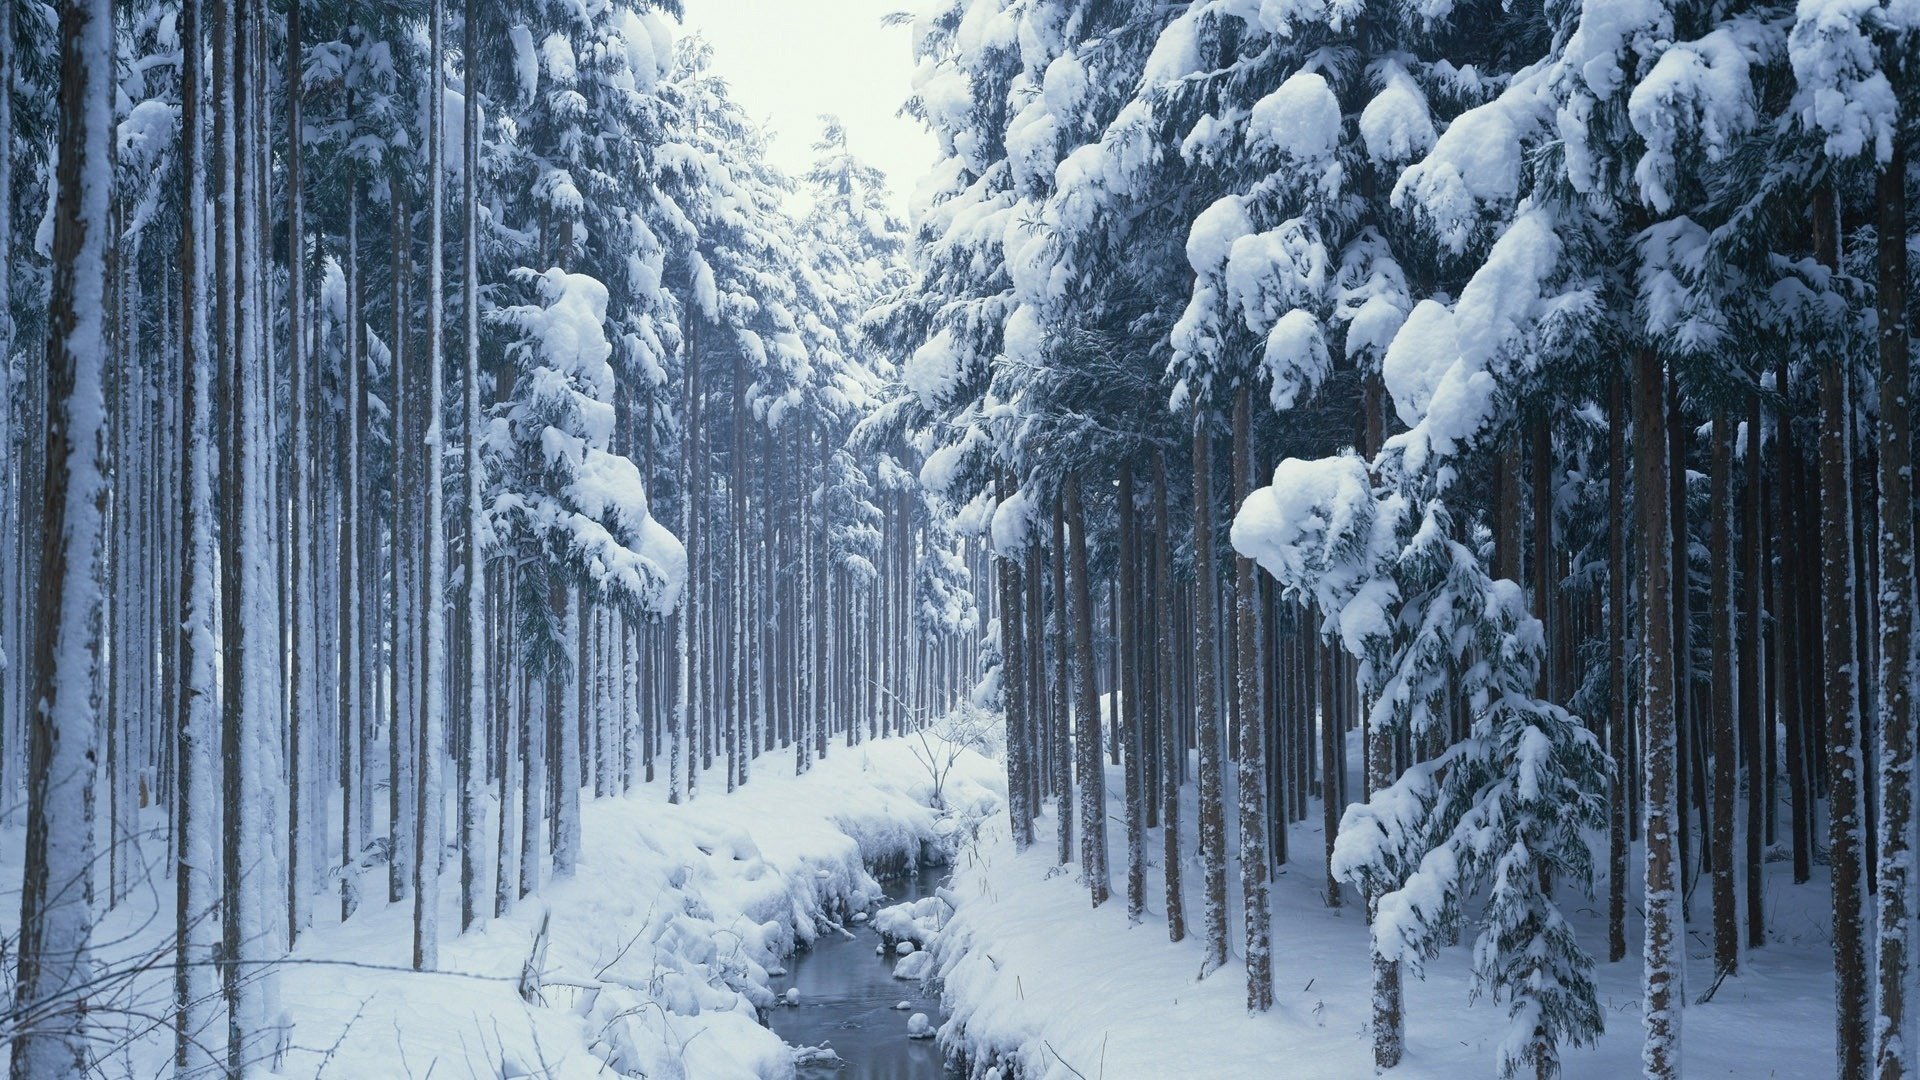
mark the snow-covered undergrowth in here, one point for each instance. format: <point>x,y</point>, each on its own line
<point>655,959</point>
<point>1041,988</point>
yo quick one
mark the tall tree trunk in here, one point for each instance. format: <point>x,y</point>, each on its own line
<point>1789,641</point>
<point>1726,921</point>
<point>303,727</point>
<point>1206,646</point>
<point>1619,744</point>
<point>54,961</point>
<point>472,605</point>
<point>1013,689</point>
<point>1253,765</point>
<point>1171,750</point>
<point>429,830</point>
<point>1895,704</point>
<point>1844,815</point>
<point>1093,786</point>
<point>196,869</point>
<point>1127,641</point>
<point>1665,925</point>
<point>1063,762</point>
<point>1754,736</point>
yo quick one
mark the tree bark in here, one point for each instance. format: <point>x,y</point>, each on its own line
<point>1660,1056</point>
<point>1726,921</point>
<point>1253,764</point>
<point>1844,816</point>
<point>1206,646</point>
<point>1093,785</point>
<point>1895,704</point>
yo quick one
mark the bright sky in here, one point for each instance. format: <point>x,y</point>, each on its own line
<point>789,61</point>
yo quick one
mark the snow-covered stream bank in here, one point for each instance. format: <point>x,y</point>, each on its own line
<point>661,951</point>
<point>1043,988</point>
<point>656,959</point>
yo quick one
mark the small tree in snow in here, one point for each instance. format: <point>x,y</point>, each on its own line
<point>1499,812</point>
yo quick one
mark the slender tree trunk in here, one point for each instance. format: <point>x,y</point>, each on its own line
<point>1170,749</point>
<point>1752,679</point>
<point>1619,741</point>
<point>473,596</point>
<point>1665,924</point>
<point>1844,816</point>
<point>1013,659</point>
<point>1206,645</point>
<point>1789,642</point>
<point>1127,640</point>
<point>1093,786</point>
<point>1253,800</point>
<point>1896,586</point>
<point>1063,763</point>
<point>1726,922</point>
<point>196,871</point>
<point>54,959</point>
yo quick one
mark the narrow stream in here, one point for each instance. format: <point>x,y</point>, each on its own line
<point>848,999</point>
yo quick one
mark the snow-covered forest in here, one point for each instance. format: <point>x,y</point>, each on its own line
<point>1318,538</point>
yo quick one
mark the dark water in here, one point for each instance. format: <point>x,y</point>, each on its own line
<point>847,999</point>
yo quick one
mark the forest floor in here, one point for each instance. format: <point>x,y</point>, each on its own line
<point>1036,978</point>
<point>657,955</point>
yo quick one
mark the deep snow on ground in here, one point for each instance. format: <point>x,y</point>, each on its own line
<point>1036,978</point>
<point>658,952</point>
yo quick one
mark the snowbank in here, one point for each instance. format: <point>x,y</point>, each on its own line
<point>653,960</point>
<point>1042,988</point>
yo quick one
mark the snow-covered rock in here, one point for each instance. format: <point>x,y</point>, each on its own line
<point>915,967</point>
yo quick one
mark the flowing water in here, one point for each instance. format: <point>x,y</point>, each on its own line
<point>848,997</point>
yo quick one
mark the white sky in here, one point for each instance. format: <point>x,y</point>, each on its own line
<point>788,61</point>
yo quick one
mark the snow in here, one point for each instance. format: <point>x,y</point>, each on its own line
<point>1176,53</point>
<point>934,369</point>
<point>1095,994</point>
<point>1396,124</point>
<point>1300,119</point>
<point>1842,91</point>
<point>1418,357</point>
<point>1477,160</point>
<point>1451,367</point>
<point>526,62</point>
<point>1211,237</point>
<point>1312,508</point>
<point>1702,85</point>
<point>1013,524</point>
<point>1295,359</point>
<point>658,952</point>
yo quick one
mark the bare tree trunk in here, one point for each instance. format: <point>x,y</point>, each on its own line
<point>1013,659</point>
<point>1788,620</point>
<point>1844,813</point>
<point>1619,741</point>
<point>1170,749</point>
<point>1206,645</point>
<point>472,604</point>
<point>56,899</point>
<point>1063,763</point>
<point>1895,704</point>
<point>1253,765</point>
<point>1726,922</point>
<point>1752,680</point>
<point>196,871</point>
<point>1665,928</point>
<point>1127,642</point>
<point>1093,786</point>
